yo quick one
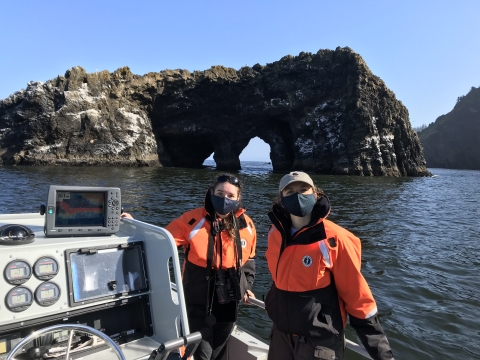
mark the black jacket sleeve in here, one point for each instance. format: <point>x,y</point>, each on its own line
<point>248,269</point>
<point>372,337</point>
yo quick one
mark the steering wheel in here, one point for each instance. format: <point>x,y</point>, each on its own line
<point>72,327</point>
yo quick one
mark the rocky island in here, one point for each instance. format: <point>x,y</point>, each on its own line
<point>324,113</point>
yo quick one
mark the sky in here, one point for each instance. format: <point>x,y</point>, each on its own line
<point>427,52</point>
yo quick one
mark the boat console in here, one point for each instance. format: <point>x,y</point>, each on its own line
<point>76,264</point>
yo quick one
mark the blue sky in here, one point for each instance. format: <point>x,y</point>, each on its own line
<point>427,52</point>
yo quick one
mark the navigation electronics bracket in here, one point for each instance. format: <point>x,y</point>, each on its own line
<point>81,211</point>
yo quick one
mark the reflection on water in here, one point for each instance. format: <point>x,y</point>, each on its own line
<point>420,239</point>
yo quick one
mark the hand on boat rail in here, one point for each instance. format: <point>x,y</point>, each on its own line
<point>125,215</point>
<point>254,301</point>
<point>247,296</point>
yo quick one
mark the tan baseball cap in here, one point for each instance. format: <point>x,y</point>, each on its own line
<point>295,176</point>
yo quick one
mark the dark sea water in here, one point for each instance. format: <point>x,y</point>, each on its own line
<point>420,239</point>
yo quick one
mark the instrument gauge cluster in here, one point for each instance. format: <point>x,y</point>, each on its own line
<point>18,272</point>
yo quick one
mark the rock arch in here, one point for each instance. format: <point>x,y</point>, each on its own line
<point>190,146</point>
<point>323,112</point>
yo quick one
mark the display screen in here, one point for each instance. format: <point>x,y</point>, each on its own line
<point>15,273</point>
<point>79,208</point>
<point>19,299</point>
<point>45,294</point>
<point>46,269</point>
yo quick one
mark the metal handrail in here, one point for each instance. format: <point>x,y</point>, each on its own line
<point>357,348</point>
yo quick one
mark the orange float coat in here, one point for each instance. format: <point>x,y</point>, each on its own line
<point>317,281</point>
<point>192,231</point>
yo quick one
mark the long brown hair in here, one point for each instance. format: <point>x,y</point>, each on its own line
<point>228,221</point>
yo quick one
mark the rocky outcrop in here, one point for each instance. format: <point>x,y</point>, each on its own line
<point>453,140</point>
<point>323,112</point>
<point>77,119</point>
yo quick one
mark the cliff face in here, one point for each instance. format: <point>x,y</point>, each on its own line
<point>77,119</point>
<point>453,140</point>
<point>324,112</point>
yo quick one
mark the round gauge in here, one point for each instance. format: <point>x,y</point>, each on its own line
<point>17,272</point>
<point>47,294</point>
<point>45,268</point>
<point>18,299</point>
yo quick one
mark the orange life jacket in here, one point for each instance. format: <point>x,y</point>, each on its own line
<point>316,274</point>
<point>192,230</point>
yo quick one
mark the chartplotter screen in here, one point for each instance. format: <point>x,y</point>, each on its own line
<point>78,208</point>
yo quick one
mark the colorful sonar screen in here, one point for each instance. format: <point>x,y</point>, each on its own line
<point>80,209</point>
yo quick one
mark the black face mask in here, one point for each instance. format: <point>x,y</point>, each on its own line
<point>298,204</point>
<point>223,205</point>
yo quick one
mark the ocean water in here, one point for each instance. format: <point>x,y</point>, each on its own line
<point>420,239</point>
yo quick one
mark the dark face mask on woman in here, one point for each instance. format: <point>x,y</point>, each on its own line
<point>223,205</point>
<point>299,204</point>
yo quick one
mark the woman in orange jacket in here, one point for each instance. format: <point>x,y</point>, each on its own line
<point>219,242</point>
<point>317,283</point>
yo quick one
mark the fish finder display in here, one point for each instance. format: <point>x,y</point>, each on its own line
<point>81,211</point>
<point>75,208</point>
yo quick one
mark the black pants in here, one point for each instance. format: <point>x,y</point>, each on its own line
<point>214,338</point>
<point>292,347</point>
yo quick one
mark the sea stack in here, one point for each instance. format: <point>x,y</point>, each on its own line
<point>324,113</point>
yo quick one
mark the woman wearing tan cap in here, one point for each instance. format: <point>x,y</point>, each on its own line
<point>315,266</point>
